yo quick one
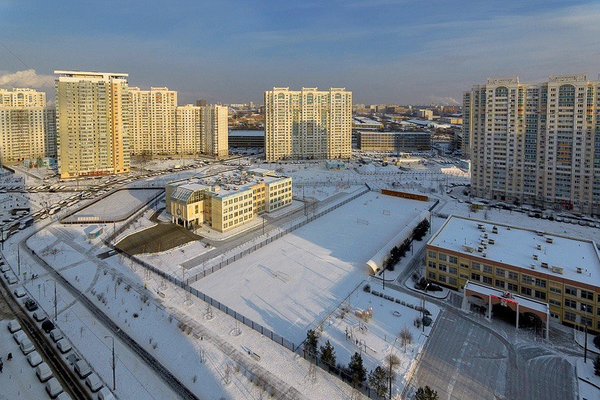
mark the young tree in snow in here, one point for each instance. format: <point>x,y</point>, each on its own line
<point>405,337</point>
<point>378,380</point>
<point>328,355</point>
<point>312,342</point>
<point>597,366</point>
<point>426,393</point>
<point>358,373</point>
<point>391,363</point>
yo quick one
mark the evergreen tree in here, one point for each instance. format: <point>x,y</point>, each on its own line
<point>328,355</point>
<point>358,373</point>
<point>311,343</point>
<point>426,393</point>
<point>597,366</point>
<point>379,380</point>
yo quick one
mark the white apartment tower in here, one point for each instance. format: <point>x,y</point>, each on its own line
<point>153,121</point>
<point>22,125</point>
<point>536,143</point>
<point>308,124</point>
<point>215,131</point>
<point>93,123</point>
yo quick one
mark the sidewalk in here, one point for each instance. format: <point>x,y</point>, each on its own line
<point>580,340</point>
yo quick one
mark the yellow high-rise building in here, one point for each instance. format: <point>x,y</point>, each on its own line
<point>308,124</point>
<point>189,129</point>
<point>215,131</point>
<point>153,121</point>
<point>93,123</point>
<point>22,125</point>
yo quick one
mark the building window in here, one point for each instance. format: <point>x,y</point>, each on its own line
<point>452,281</point>
<point>431,265</point>
<point>476,266</point>
<point>540,282</point>
<point>570,291</point>
<point>431,275</point>
<point>443,268</point>
<point>569,316</point>
<point>540,295</point>
<point>442,257</point>
<point>586,308</point>
<point>555,302</point>
<point>487,269</point>
<point>585,321</point>
<point>587,295</point>
<point>526,291</point>
<point>432,254</point>
<point>464,266</point>
<point>555,290</point>
<point>452,260</point>
<point>513,276</point>
<point>499,283</point>
<point>442,278</point>
<point>453,270</point>
<point>527,279</point>
<point>512,287</point>
<point>487,280</point>
<point>570,303</point>
<point>500,272</point>
<point>475,277</point>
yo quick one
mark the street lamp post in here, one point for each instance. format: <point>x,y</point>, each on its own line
<point>55,300</point>
<point>113,361</point>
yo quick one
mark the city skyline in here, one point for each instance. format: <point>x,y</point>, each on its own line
<point>385,51</point>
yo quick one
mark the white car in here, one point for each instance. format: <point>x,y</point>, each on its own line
<point>63,346</point>
<point>93,382</point>
<point>14,326</point>
<point>34,359</point>
<point>20,292</point>
<point>56,335</point>
<point>105,394</point>
<point>53,388</point>
<point>82,368</point>
<point>43,372</point>
<point>26,346</point>
<point>19,336</point>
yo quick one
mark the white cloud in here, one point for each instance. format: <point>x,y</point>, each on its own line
<point>25,79</point>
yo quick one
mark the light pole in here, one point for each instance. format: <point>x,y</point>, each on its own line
<point>113,361</point>
<point>55,302</point>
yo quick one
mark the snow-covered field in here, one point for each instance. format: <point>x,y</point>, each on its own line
<point>116,206</point>
<point>296,281</point>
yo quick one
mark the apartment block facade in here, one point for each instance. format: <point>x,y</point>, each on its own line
<point>93,123</point>
<point>308,124</point>
<point>215,131</point>
<point>189,129</point>
<point>560,271</point>
<point>393,142</point>
<point>153,121</point>
<point>536,143</point>
<point>22,125</point>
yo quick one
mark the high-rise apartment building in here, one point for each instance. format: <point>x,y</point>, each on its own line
<point>22,125</point>
<point>153,121</point>
<point>50,131</point>
<point>93,123</point>
<point>536,143</point>
<point>189,129</point>
<point>308,124</point>
<point>215,131</point>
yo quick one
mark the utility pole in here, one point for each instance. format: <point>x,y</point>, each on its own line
<point>585,346</point>
<point>55,298</point>
<point>18,262</point>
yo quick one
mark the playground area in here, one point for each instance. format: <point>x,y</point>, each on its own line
<point>115,207</point>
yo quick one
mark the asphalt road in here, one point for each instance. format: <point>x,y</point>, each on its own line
<point>464,360</point>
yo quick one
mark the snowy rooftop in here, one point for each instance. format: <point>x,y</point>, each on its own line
<point>365,121</point>
<point>523,301</point>
<point>247,133</point>
<point>560,256</point>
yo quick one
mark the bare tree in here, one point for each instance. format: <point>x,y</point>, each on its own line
<point>406,337</point>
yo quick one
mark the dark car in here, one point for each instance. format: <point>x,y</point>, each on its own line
<point>47,326</point>
<point>30,305</point>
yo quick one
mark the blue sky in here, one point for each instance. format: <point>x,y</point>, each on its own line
<point>385,51</point>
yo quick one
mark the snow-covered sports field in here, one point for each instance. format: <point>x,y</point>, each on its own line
<point>115,207</point>
<point>293,283</point>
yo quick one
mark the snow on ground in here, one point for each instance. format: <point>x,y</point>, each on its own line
<point>589,383</point>
<point>297,280</point>
<point>379,336</point>
<point>117,205</point>
<point>169,259</point>
<point>18,379</point>
<point>521,220</point>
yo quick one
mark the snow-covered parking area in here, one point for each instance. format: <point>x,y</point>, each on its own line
<point>115,207</point>
<point>295,282</point>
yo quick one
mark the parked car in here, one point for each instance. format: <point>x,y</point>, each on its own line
<point>53,388</point>
<point>26,346</point>
<point>93,382</point>
<point>39,316</point>
<point>30,304</point>
<point>34,359</point>
<point>63,345</point>
<point>63,396</point>
<point>82,368</point>
<point>10,278</point>
<point>56,335</point>
<point>48,326</point>
<point>105,394</point>
<point>14,326</point>
<point>19,336</point>
<point>43,372</point>
<point>19,292</point>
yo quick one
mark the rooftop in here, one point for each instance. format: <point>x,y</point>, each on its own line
<point>395,133</point>
<point>559,256</point>
<point>247,133</point>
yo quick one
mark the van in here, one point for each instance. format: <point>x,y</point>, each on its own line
<point>34,359</point>
<point>26,346</point>
<point>53,388</point>
<point>82,368</point>
<point>105,394</point>
<point>43,372</point>
<point>14,326</point>
<point>93,382</point>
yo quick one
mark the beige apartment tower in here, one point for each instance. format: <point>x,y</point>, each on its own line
<point>153,121</point>
<point>22,125</point>
<point>536,143</point>
<point>189,129</point>
<point>215,131</point>
<point>93,123</point>
<point>308,124</point>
